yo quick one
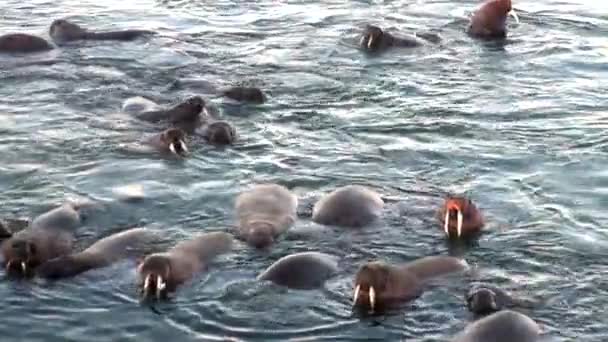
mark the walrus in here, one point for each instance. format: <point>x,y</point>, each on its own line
<point>350,206</point>
<point>63,31</point>
<point>379,285</point>
<point>265,212</point>
<point>490,20</point>
<point>245,94</point>
<point>102,253</point>
<point>49,236</point>
<point>483,299</point>
<point>218,132</point>
<point>185,115</point>
<point>503,326</point>
<point>374,39</point>
<point>161,273</point>
<point>23,43</point>
<point>459,217</point>
<point>301,271</point>
<point>169,141</point>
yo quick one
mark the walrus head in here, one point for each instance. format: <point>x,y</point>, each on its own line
<point>490,19</point>
<point>154,277</point>
<point>188,110</point>
<point>372,38</point>
<point>62,30</point>
<point>371,282</point>
<point>20,257</point>
<point>460,214</point>
<point>482,300</point>
<point>245,94</point>
<point>220,132</point>
<point>261,234</point>
<point>175,140</point>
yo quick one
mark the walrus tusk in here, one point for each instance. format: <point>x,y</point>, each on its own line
<point>514,15</point>
<point>172,148</point>
<point>361,40</point>
<point>146,285</point>
<point>372,297</point>
<point>369,42</point>
<point>447,222</point>
<point>160,285</point>
<point>183,145</point>
<point>356,296</point>
<point>459,226</point>
<point>23,267</point>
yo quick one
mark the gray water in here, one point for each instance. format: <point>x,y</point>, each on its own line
<point>517,126</point>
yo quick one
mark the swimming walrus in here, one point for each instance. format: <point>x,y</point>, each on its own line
<point>161,273</point>
<point>459,217</point>
<point>102,253</point>
<point>379,285</point>
<point>264,212</point>
<point>218,132</point>
<point>349,206</point>
<point>185,115</point>
<point>63,31</point>
<point>374,39</point>
<point>244,94</point>
<point>503,326</point>
<point>170,141</point>
<point>483,299</point>
<point>23,43</point>
<point>489,21</point>
<point>302,271</point>
<point>49,236</point>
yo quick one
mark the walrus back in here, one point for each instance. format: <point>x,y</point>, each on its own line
<point>503,326</point>
<point>204,247</point>
<point>434,266</point>
<point>267,203</point>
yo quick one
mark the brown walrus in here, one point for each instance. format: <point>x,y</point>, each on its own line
<point>490,19</point>
<point>302,271</point>
<point>185,115</point>
<point>503,326</point>
<point>63,31</point>
<point>265,212</point>
<point>169,141</point>
<point>102,253</point>
<point>374,39</point>
<point>23,43</point>
<point>379,285</point>
<point>349,206</point>
<point>245,94</point>
<point>459,217</point>
<point>218,132</point>
<point>49,236</point>
<point>483,299</point>
<point>161,273</point>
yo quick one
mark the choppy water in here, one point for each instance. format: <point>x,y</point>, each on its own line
<point>520,127</point>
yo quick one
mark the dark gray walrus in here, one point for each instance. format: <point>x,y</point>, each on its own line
<point>161,273</point>
<point>483,299</point>
<point>265,212</point>
<point>349,206</point>
<point>23,43</point>
<point>245,94</point>
<point>503,326</point>
<point>63,31</point>
<point>301,271</point>
<point>170,141</point>
<point>218,132</point>
<point>374,39</point>
<point>185,115</point>
<point>102,253</point>
<point>49,236</point>
<point>379,285</point>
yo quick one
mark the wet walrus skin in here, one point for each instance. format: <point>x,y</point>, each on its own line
<point>161,273</point>
<point>169,141</point>
<point>63,31</point>
<point>23,43</point>
<point>102,253</point>
<point>460,218</point>
<point>379,285</point>
<point>302,271</point>
<point>503,326</point>
<point>489,21</point>
<point>185,115</point>
<point>350,206</point>
<point>49,236</point>
<point>265,212</point>
<point>483,299</point>
<point>375,39</point>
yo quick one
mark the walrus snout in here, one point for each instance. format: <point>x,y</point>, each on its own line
<point>482,301</point>
<point>175,139</point>
<point>371,38</point>
<point>154,274</point>
<point>370,283</point>
<point>20,256</point>
<point>261,236</point>
<point>220,132</point>
<point>460,216</point>
<point>189,110</point>
<point>62,30</point>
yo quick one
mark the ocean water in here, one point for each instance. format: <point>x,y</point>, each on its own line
<point>517,126</point>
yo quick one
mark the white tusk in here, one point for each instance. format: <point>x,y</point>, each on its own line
<point>459,227</point>
<point>8,264</point>
<point>160,285</point>
<point>372,297</point>
<point>147,283</point>
<point>23,267</point>
<point>369,42</point>
<point>183,145</point>
<point>514,15</point>
<point>362,40</point>
<point>356,296</point>
<point>172,148</point>
<point>446,222</point>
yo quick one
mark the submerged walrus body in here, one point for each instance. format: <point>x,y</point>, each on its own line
<point>23,43</point>
<point>350,206</point>
<point>102,253</point>
<point>185,115</point>
<point>63,31</point>
<point>302,271</point>
<point>489,21</point>
<point>503,326</point>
